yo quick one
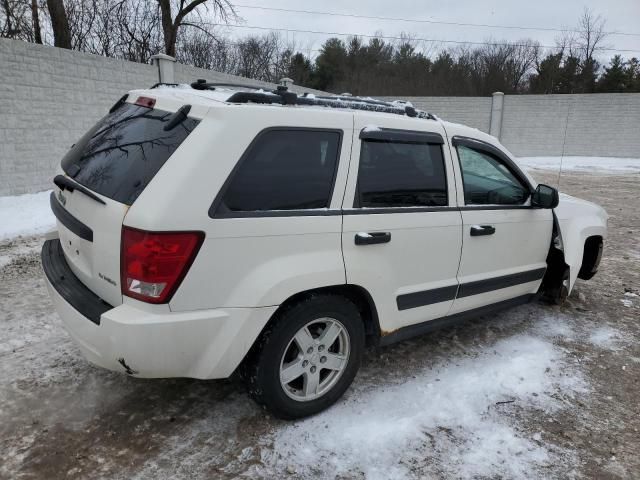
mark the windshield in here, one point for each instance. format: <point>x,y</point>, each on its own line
<point>122,153</point>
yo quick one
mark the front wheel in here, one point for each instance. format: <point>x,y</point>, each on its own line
<point>307,358</point>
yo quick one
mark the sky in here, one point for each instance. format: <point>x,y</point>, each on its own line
<point>620,15</point>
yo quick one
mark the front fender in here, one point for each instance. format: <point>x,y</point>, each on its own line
<point>578,220</point>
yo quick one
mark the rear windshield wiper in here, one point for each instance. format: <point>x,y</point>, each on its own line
<point>177,118</point>
<point>65,183</point>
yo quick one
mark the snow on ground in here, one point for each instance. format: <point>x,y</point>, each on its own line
<point>456,413</point>
<point>465,406</point>
<point>606,337</point>
<point>28,214</point>
<point>583,164</point>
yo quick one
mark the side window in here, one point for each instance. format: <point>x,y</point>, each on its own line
<point>285,170</point>
<point>487,181</point>
<point>396,174</point>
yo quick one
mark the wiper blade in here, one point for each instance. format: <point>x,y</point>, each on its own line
<point>65,183</point>
<point>119,103</point>
<point>177,118</point>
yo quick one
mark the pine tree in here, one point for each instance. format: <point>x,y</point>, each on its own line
<point>300,69</point>
<point>330,65</point>
<point>615,77</point>
<point>632,73</point>
<point>547,78</point>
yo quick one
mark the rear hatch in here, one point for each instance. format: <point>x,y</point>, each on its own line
<point>104,173</point>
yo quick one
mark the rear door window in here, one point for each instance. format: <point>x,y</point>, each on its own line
<point>401,174</point>
<point>284,169</point>
<point>122,153</point>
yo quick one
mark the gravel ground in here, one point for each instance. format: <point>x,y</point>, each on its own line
<point>577,417</point>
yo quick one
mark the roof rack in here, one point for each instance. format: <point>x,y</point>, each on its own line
<point>202,84</point>
<point>162,84</point>
<point>282,96</point>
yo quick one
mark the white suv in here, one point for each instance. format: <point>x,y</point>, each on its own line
<point>207,228</point>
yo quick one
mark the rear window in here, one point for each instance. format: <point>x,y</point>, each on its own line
<point>122,153</point>
<point>285,170</point>
<point>401,174</point>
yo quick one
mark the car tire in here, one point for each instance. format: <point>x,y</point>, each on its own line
<point>287,370</point>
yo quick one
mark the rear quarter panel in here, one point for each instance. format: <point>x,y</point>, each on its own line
<point>244,262</point>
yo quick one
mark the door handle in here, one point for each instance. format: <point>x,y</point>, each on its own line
<point>479,230</point>
<point>372,238</point>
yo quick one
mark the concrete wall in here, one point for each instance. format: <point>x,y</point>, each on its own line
<point>49,97</point>
<point>472,111</point>
<point>604,124</point>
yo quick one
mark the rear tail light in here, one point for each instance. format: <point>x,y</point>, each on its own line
<point>154,263</point>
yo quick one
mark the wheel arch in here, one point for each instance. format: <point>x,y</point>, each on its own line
<point>355,293</point>
<point>592,253</point>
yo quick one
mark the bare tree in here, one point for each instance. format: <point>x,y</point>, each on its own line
<point>82,15</point>
<point>107,36</point>
<point>59,24</point>
<point>15,21</point>
<point>577,50</point>
<point>202,49</point>
<point>139,30</point>
<point>8,27</point>
<point>522,60</point>
<point>256,55</point>
<point>590,34</point>
<point>171,24</point>
<point>35,21</point>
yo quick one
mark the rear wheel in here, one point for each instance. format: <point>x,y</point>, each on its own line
<point>307,357</point>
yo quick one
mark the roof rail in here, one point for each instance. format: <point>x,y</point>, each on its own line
<point>282,96</point>
<point>202,84</point>
<point>162,84</point>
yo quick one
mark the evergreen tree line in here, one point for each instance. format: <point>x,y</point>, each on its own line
<point>377,68</point>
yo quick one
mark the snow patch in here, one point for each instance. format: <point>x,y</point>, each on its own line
<point>627,302</point>
<point>25,215</point>
<point>583,164</point>
<point>402,103</point>
<point>554,326</point>
<point>4,261</point>
<point>456,415</point>
<point>371,128</point>
<point>605,337</point>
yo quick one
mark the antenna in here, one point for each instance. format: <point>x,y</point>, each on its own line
<point>564,140</point>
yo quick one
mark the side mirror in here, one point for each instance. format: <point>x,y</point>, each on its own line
<point>545,197</point>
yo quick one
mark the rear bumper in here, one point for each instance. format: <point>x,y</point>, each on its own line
<point>151,344</point>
